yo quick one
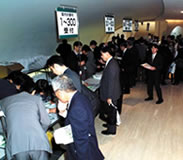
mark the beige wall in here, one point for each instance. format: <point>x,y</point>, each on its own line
<point>157,28</point>
<point>142,31</point>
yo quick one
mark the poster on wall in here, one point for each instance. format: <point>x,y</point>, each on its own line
<point>136,25</point>
<point>67,23</point>
<point>109,24</point>
<point>127,25</point>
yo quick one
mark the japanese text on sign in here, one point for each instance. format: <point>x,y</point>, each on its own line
<point>67,22</point>
<point>109,24</point>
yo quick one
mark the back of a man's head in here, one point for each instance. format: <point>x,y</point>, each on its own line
<point>55,59</point>
<point>25,82</point>
<point>64,41</point>
<point>93,42</point>
<point>107,49</point>
<point>123,44</point>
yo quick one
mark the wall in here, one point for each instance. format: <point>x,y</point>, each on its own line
<point>174,23</point>
<point>27,29</point>
<point>157,28</point>
<point>141,33</point>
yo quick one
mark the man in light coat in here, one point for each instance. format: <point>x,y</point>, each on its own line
<point>27,122</point>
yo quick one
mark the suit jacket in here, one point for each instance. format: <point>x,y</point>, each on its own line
<point>27,122</point>
<point>6,88</point>
<point>90,64</point>
<point>157,62</point>
<point>80,117</point>
<point>75,78</point>
<point>64,49</point>
<point>129,60</point>
<point>72,62</point>
<point>94,100</point>
<point>110,86</point>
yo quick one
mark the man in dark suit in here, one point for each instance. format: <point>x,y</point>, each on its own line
<point>126,66</point>
<point>110,90</point>
<point>55,63</point>
<point>64,49</point>
<point>75,57</point>
<point>85,145</point>
<point>154,59</point>
<point>134,58</point>
<point>6,88</point>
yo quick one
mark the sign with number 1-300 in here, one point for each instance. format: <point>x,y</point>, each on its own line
<point>67,22</point>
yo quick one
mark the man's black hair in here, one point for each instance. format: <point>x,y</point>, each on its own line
<point>124,44</point>
<point>154,45</point>
<point>77,43</point>
<point>55,59</point>
<point>107,49</point>
<point>86,48</point>
<point>93,42</point>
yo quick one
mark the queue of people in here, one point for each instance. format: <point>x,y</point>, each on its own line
<point>122,62</point>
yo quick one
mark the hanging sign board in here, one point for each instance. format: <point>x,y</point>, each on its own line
<point>67,22</point>
<point>109,24</point>
<point>127,25</point>
<point>136,25</point>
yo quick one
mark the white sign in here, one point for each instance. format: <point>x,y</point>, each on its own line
<point>67,22</point>
<point>109,24</point>
<point>136,26</point>
<point>127,25</point>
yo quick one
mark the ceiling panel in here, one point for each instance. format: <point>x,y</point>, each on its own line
<point>172,9</point>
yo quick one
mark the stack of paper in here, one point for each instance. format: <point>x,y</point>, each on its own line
<point>63,135</point>
<point>146,65</point>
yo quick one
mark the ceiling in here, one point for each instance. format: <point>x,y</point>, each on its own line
<point>28,27</point>
<point>93,11</point>
<point>172,9</point>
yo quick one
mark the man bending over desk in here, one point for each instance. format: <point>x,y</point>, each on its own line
<point>27,122</point>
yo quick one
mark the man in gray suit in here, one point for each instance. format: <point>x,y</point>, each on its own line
<point>90,63</point>
<point>27,122</point>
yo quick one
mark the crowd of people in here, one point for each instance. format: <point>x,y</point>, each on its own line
<point>122,62</point>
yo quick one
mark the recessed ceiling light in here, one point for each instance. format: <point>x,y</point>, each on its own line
<point>181,12</point>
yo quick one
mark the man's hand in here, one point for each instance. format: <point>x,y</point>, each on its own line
<point>109,101</point>
<point>153,68</point>
<point>52,110</point>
